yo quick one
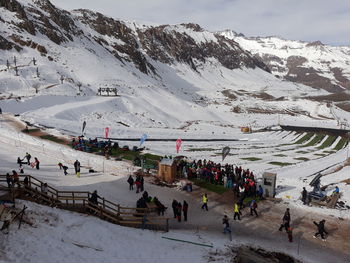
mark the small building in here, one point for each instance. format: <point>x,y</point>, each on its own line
<point>269,184</point>
<point>167,170</point>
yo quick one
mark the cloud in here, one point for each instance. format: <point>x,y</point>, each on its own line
<point>291,19</point>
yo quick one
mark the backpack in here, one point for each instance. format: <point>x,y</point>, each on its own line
<point>255,205</point>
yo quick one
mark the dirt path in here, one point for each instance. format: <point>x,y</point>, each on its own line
<point>263,230</point>
<point>20,126</point>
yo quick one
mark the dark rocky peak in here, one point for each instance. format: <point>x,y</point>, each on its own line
<point>16,7</point>
<point>107,26</point>
<point>193,26</point>
<point>167,44</point>
<point>315,44</point>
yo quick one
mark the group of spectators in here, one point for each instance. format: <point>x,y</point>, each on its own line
<point>241,181</point>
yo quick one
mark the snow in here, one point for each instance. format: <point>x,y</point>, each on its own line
<point>177,103</point>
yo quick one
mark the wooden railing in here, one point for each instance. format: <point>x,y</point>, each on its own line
<point>78,200</point>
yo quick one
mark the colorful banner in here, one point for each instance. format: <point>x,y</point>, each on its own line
<point>225,152</point>
<point>106,132</point>
<point>143,139</point>
<point>82,130</point>
<point>178,145</point>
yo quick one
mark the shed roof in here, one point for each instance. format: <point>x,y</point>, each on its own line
<point>167,161</point>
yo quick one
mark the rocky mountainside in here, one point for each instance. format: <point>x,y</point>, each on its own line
<point>313,64</point>
<point>126,42</point>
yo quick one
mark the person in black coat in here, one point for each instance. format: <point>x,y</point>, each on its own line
<point>321,230</point>
<point>304,196</point>
<point>131,183</point>
<point>9,180</point>
<point>185,209</point>
<point>94,197</point>
<point>285,221</point>
<point>77,167</point>
<point>179,211</point>
<point>174,206</point>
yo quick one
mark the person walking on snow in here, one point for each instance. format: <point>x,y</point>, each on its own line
<point>185,209</point>
<point>179,211</point>
<point>77,168</point>
<point>131,183</point>
<point>237,212</point>
<point>253,207</point>
<point>304,196</point>
<point>205,202</point>
<point>28,157</point>
<point>321,231</point>
<point>227,228</point>
<point>285,221</point>
<point>174,206</point>
<point>37,163</point>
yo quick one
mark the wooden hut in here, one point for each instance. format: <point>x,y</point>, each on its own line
<point>167,170</point>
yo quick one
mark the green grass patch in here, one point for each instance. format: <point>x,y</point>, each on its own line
<point>305,138</point>
<point>317,139</point>
<point>321,154</point>
<point>30,130</point>
<point>280,163</point>
<point>328,142</point>
<point>302,159</point>
<point>341,144</point>
<point>51,138</point>
<point>200,149</point>
<point>280,155</point>
<point>302,152</point>
<point>329,152</point>
<point>219,189</point>
<point>251,159</point>
<point>151,159</point>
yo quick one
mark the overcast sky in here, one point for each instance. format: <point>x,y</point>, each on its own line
<point>309,20</point>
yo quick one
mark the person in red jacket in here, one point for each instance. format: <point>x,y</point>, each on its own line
<point>185,209</point>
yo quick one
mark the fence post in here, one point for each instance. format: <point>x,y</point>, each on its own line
<point>73,198</point>
<point>103,202</point>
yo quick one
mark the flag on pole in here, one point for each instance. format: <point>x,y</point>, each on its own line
<point>225,152</point>
<point>106,132</point>
<point>84,125</point>
<point>143,139</point>
<point>178,145</point>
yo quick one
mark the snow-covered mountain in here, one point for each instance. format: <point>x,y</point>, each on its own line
<point>168,76</point>
<point>313,64</point>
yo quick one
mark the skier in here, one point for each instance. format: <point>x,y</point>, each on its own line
<point>237,212</point>
<point>304,196</point>
<point>285,220</point>
<point>174,206</point>
<point>253,207</point>
<point>227,228</point>
<point>321,230</point>
<point>185,209</point>
<point>131,183</point>
<point>77,168</point>
<point>205,202</point>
